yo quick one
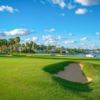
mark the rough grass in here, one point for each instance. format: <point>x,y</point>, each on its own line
<point>24,78</point>
<point>89,70</point>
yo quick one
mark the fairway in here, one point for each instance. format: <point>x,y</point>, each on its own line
<point>28,78</point>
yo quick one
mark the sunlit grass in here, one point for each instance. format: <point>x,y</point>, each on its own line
<point>23,78</point>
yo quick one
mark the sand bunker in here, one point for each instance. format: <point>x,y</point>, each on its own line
<point>73,72</point>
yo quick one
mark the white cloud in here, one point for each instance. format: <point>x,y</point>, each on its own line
<point>70,6</point>
<point>98,33</point>
<point>16,32</point>
<point>58,38</point>
<point>61,3</point>
<point>70,34</point>
<point>87,2</point>
<point>69,41</point>
<point>50,30</point>
<point>47,37</point>
<point>52,42</point>
<point>84,39</point>
<point>43,2</point>
<point>7,8</point>
<point>81,11</point>
<point>34,39</point>
<point>49,40</point>
<point>62,14</point>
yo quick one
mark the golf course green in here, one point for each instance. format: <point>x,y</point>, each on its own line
<point>31,77</point>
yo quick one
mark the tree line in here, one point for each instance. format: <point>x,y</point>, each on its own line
<point>14,45</point>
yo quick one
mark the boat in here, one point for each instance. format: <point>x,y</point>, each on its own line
<point>90,55</point>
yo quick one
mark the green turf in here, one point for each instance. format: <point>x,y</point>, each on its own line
<point>31,78</point>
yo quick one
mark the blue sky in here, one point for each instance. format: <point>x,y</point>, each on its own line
<point>69,23</point>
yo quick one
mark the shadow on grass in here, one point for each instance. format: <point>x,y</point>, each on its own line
<point>54,68</point>
<point>72,85</point>
<point>67,85</point>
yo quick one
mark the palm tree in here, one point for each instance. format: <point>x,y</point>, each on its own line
<point>17,41</point>
<point>11,44</point>
<point>31,46</point>
<point>3,45</point>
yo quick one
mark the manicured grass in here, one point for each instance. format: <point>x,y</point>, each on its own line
<point>27,77</point>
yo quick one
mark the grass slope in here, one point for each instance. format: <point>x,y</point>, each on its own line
<point>24,78</point>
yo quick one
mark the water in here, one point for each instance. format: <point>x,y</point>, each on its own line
<point>97,55</point>
<point>81,54</point>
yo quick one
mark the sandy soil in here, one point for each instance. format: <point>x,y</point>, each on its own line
<point>73,72</point>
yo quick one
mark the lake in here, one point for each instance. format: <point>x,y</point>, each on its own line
<point>81,54</point>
